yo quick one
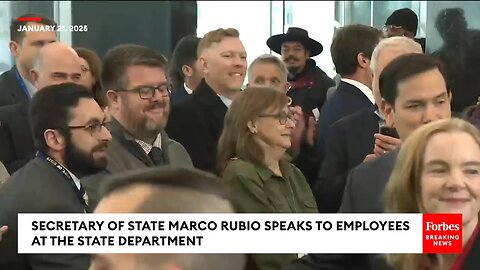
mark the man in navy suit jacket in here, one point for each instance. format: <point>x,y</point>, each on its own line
<point>351,50</point>
<point>351,140</point>
<point>185,72</point>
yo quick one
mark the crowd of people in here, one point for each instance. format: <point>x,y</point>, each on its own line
<point>137,133</point>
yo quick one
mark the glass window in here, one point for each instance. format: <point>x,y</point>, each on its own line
<point>5,55</point>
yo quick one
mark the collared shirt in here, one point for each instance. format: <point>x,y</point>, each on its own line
<point>75,179</point>
<point>362,87</point>
<point>31,89</point>
<point>189,91</point>
<point>148,147</point>
<point>226,101</point>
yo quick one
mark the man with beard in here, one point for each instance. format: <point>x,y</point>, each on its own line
<point>308,83</point>
<point>137,91</point>
<point>71,140</point>
<point>197,120</point>
<point>55,63</point>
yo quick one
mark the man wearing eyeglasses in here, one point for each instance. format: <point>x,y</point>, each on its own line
<point>71,139</point>
<point>137,91</point>
<point>55,63</point>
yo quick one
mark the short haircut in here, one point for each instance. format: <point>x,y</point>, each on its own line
<point>236,141</point>
<point>50,109</point>
<point>185,53</point>
<point>179,190</point>
<point>268,59</point>
<point>215,36</point>
<point>119,58</point>
<point>397,43</point>
<point>95,64</point>
<point>348,42</point>
<point>15,24</point>
<point>404,67</point>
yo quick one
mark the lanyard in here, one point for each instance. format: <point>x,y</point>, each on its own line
<point>67,177</point>
<point>22,83</point>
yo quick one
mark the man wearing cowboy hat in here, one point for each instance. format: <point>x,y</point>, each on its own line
<point>309,83</point>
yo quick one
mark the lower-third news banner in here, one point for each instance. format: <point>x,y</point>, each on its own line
<point>239,233</point>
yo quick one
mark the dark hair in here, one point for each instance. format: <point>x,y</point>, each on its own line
<point>95,64</point>
<point>15,24</point>
<point>185,53</point>
<point>348,42</point>
<point>186,178</point>
<point>404,67</point>
<point>119,58</point>
<point>50,109</point>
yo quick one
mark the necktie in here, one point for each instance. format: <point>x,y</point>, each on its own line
<point>156,154</point>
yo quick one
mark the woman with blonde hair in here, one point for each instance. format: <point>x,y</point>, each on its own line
<point>251,151</point>
<point>438,171</point>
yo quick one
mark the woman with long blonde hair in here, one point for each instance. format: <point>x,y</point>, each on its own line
<point>438,171</point>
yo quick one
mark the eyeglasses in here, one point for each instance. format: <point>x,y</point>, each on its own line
<point>281,116</point>
<point>147,92</point>
<point>94,128</point>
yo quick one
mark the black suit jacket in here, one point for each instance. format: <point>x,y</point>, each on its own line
<point>16,140</point>
<point>349,140</point>
<point>197,123</point>
<point>178,95</point>
<point>36,188</point>
<point>346,100</point>
<point>10,90</point>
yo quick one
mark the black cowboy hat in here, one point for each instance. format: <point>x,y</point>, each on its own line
<point>295,34</point>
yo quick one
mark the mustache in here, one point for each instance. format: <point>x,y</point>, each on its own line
<point>155,106</point>
<point>99,147</point>
<point>291,57</point>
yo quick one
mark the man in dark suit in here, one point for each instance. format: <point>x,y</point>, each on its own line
<point>55,63</point>
<point>414,90</point>
<point>351,140</point>
<point>351,50</point>
<point>185,72</point>
<point>139,105</point>
<point>197,121</point>
<point>71,140</point>
<point>16,85</point>
<point>308,83</point>
<point>166,190</point>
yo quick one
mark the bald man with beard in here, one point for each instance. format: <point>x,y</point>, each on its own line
<point>55,63</point>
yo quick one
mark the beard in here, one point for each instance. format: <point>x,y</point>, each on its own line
<point>82,163</point>
<point>141,125</point>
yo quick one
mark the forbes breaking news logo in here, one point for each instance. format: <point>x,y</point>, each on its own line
<point>442,233</point>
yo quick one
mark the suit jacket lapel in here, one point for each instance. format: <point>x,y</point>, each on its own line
<point>216,109</point>
<point>127,140</point>
<point>15,90</point>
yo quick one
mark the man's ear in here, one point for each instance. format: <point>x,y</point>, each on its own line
<point>34,75</point>
<point>362,60</point>
<point>187,71</point>
<point>14,48</point>
<point>203,64</point>
<point>388,112</point>
<point>112,98</point>
<point>54,140</point>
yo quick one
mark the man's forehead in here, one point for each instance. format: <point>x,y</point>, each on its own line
<point>260,69</point>
<point>87,109</point>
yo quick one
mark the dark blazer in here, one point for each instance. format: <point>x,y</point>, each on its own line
<point>36,188</point>
<point>178,95</point>
<point>349,140</point>
<point>16,140</point>
<point>125,154</point>
<point>346,100</point>
<point>10,90</point>
<point>197,123</point>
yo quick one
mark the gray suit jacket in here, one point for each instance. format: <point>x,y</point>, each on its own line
<point>125,154</point>
<point>36,188</point>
